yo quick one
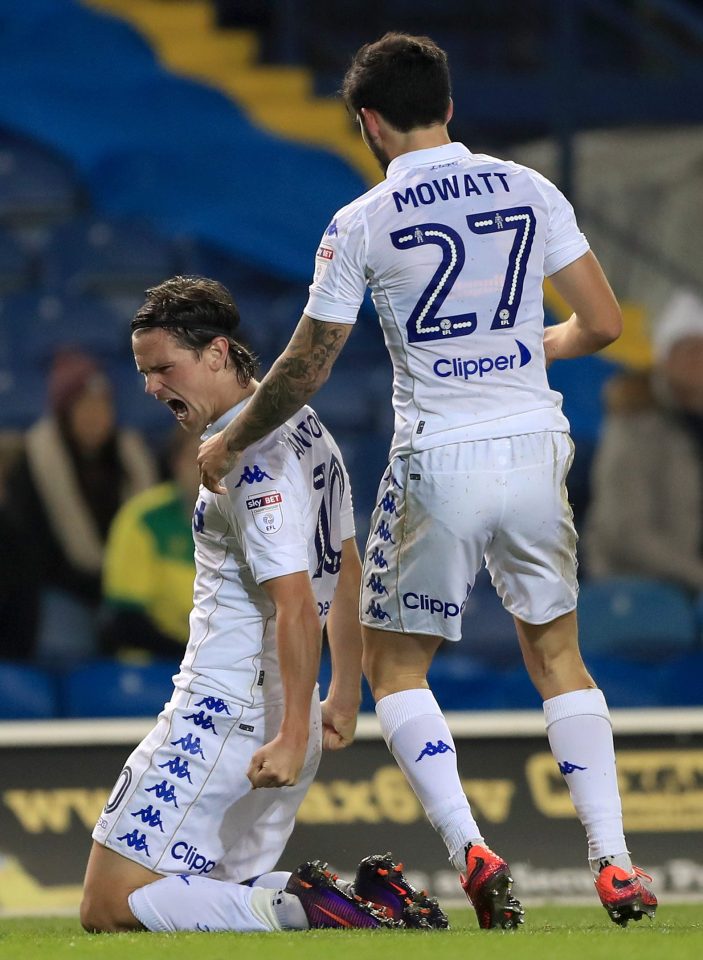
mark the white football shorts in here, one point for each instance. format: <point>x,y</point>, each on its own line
<point>183,804</point>
<point>441,511</point>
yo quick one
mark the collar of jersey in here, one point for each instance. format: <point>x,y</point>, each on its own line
<point>425,158</point>
<point>226,417</point>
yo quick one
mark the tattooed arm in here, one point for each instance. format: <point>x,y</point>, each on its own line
<point>298,373</point>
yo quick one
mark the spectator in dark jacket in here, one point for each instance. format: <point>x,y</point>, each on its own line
<point>76,470</point>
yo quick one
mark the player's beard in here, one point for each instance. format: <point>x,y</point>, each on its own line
<point>375,147</point>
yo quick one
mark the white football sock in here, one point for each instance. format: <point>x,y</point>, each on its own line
<point>418,737</point>
<point>186,902</point>
<point>276,880</point>
<point>581,738</point>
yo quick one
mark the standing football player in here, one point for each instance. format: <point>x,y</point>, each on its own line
<point>455,247</point>
<point>184,842</point>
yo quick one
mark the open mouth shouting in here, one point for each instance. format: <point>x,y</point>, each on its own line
<point>178,408</point>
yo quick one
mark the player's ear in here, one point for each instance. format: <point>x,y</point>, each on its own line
<point>450,110</point>
<point>217,352</point>
<point>370,120</point>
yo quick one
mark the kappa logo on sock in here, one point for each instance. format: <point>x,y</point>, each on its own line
<point>565,767</point>
<point>432,749</point>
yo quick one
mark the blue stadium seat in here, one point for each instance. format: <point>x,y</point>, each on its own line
<point>22,396</point>
<point>698,603</point>
<point>26,692</point>
<point>107,688</point>
<point>36,185</point>
<point>104,257</point>
<point>683,681</point>
<point>41,323</point>
<point>488,630</point>
<point>16,265</point>
<point>462,683</point>
<point>628,684</point>
<point>635,618</point>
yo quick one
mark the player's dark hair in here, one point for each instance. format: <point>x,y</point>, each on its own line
<point>405,78</point>
<point>194,310</point>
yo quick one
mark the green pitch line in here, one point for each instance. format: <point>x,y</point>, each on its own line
<point>574,933</point>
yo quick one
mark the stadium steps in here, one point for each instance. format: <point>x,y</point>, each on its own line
<point>278,98</point>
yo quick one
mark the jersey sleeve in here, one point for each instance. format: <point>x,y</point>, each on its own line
<point>339,282</point>
<point>564,242</point>
<point>266,507</point>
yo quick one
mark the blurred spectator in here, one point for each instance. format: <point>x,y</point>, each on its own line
<point>646,512</point>
<point>149,567</point>
<point>17,589</point>
<point>76,469</point>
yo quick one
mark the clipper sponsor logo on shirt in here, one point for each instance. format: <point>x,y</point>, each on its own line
<point>466,369</point>
<point>266,511</point>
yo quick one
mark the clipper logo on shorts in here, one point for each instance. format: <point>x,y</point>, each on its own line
<point>196,862</point>
<point>421,601</point>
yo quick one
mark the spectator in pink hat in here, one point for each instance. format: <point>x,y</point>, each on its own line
<point>76,470</point>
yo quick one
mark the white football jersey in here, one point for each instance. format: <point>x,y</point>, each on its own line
<point>455,247</point>
<point>288,508</point>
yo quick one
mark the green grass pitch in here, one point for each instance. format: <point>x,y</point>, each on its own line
<point>566,933</point>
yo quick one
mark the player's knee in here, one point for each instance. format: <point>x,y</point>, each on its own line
<point>104,914</point>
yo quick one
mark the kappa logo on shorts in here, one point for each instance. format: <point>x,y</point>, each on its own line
<point>202,720</point>
<point>150,817</point>
<point>375,610</point>
<point>177,768</point>
<point>189,744</point>
<point>384,532</point>
<point>214,704</point>
<point>164,791</point>
<point>376,584</point>
<point>137,841</point>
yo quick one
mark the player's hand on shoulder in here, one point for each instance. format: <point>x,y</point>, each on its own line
<point>215,461</point>
<point>338,725</point>
<point>278,763</point>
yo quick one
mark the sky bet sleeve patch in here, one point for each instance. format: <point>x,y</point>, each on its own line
<point>266,511</point>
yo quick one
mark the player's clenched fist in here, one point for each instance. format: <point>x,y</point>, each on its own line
<point>277,764</point>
